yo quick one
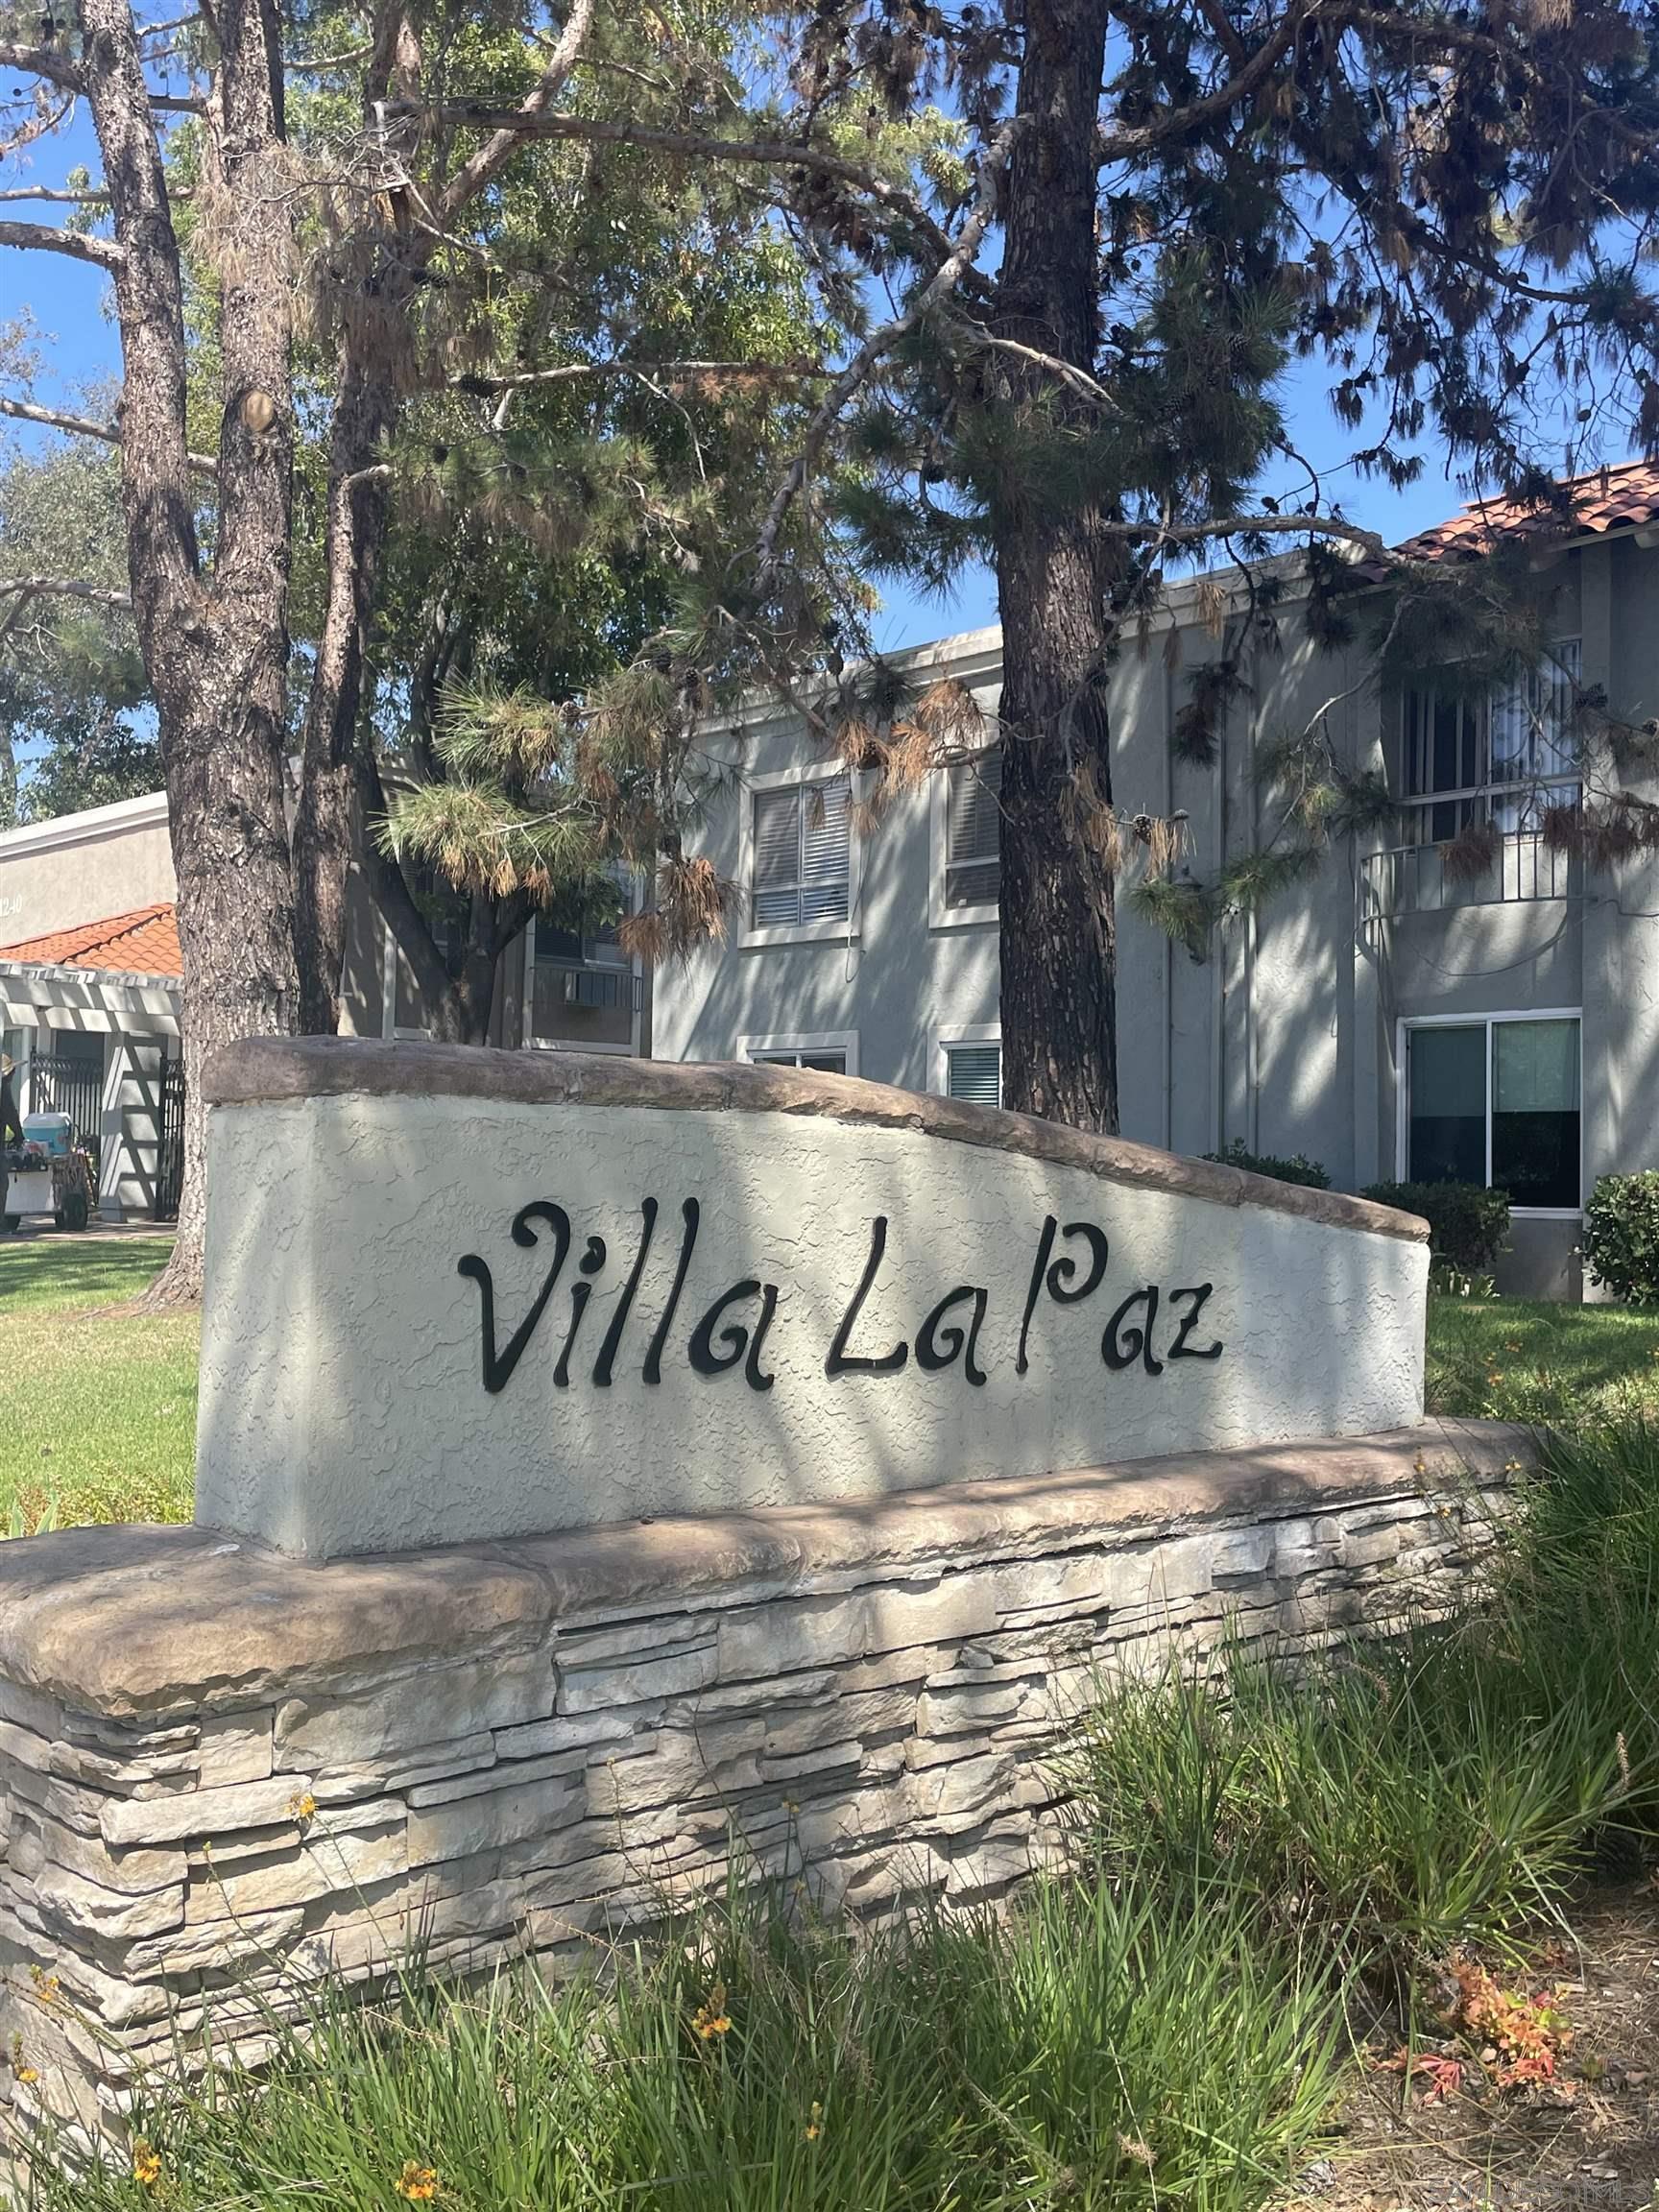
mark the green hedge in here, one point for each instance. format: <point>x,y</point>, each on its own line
<point>1621,1236</point>
<point>1468,1224</point>
<point>1296,1170</point>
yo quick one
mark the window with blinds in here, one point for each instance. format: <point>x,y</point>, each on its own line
<point>802,855</point>
<point>973,821</point>
<point>975,1073</point>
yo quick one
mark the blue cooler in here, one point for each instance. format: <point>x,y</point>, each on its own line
<point>54,1133</point>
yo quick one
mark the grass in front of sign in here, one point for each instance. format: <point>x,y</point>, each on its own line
<point>1096,2049</point>
<point>97,1407</point>
<point>1451,1782</point>
<point>1288,1890</point>
<point>1505,1359</point>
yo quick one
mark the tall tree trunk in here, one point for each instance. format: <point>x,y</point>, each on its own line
<point>323,832</point>
<point>1053,574</point>
<point>216,655</point>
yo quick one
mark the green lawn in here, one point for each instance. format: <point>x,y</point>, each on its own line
<point>1508,1361</point>
<point>97,1408</point>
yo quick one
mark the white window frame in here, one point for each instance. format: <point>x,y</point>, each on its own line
<point>988,913</point>
<point>798,932</point>
<point>1490,1022</point>
<point>970,1033</point>
<point>844,1040</point>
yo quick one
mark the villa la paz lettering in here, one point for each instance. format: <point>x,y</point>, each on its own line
<point>1150,1326</point>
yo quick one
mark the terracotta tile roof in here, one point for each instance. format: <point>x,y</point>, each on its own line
<point>145,943</point>
<point>1608,500</point>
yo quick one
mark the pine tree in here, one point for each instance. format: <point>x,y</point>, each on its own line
<point>1448,210</point>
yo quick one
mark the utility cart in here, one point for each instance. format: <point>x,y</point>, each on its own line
<point>48,1176</point>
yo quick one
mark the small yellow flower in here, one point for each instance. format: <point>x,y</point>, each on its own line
<point>816,2124</point>
<point>418,2185</point>
<point>28,2073</point>
<point>146,2163</point>
<point>711,2018</point>
<point>47,1987</point>
<point>302,1808</point>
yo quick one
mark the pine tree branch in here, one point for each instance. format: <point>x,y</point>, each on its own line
<point>81,426</point>
<point>43,238</point>
<point>64,588</point>
<point>45,61</point>
<point>1246,525</point>
<point>698,145</point>
<point>1124,145</point>
<point>477,171</point>
<point>87,198</point>
<point>575,372</point>
<point>969,239</point>
<point>1086,387</point>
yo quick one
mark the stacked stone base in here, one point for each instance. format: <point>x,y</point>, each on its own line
<point>224,1771</point>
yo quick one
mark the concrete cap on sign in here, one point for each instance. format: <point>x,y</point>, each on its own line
<point>130,1620</point>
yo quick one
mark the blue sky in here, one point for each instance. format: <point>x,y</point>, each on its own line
<point>79,345</point>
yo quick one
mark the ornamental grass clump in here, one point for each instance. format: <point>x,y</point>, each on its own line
<point>1443,1785</point>
<point>1095,2049</point>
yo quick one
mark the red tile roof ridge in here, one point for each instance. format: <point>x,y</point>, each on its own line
<point>1617,494</point>
<point>144,942</point>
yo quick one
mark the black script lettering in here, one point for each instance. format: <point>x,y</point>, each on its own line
<point>498,1366</point>
<point>1062,1287</point>
<point>1062,1277</point>
<point>1121,1347</point>
<point>1044,1245</point>
<point>690,1212</point>
<point>592,1261</point>
<point>936,1349</point>
<point>735,1338</point>
<point>1181,1349</point>
<point>606,1359</point>
<point>840,1361</point>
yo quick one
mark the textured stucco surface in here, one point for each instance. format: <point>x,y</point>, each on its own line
<point>343,1407</point>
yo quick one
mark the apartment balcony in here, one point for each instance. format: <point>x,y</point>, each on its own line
<point>1469,848</point>
<point>587,1006</point>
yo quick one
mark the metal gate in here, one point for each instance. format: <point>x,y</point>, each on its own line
<point>170,1145</point>
<point>60,1083</point>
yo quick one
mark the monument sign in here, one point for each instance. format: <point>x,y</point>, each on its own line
<point>599,1458</point>
<point>462,1294</point>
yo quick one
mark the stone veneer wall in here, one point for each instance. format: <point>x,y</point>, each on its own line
<point>514,1746</point>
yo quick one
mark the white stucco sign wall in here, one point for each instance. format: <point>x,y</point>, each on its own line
<point>461,1295</point>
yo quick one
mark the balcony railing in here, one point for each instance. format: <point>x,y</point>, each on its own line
<point>1419,879</point>
<point>583,1001</point>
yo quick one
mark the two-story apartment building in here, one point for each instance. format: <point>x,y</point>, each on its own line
<point>1391,1015</point>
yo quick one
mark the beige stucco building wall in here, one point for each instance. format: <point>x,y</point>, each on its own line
<point>84,868</point>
